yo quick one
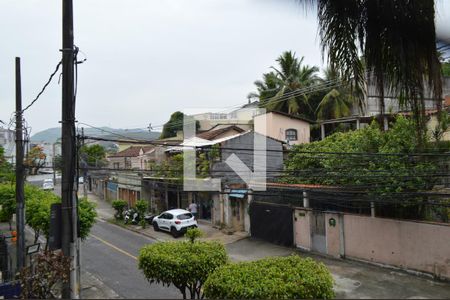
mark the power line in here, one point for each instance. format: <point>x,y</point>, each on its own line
<point>43,88</point>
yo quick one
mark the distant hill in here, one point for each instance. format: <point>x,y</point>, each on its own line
<point>51,135</point>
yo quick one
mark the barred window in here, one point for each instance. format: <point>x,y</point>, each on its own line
<point>291,134</point>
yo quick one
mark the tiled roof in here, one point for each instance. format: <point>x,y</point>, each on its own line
<point>133,151</point>
<point>211,134</point>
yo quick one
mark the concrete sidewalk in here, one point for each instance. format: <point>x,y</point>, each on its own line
<point>106,212</point>
<point>352,279</point>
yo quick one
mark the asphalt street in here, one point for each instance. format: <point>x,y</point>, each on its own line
<point>110,253</point>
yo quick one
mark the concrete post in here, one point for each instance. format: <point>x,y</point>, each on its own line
<point>305,199</point>
<point>322,131</point>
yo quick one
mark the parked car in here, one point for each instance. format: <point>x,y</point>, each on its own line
<point>176,221</point>
<point>48,184</point>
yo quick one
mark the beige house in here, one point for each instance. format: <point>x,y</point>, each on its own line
<point>133,157</point>
<point>284,127</point>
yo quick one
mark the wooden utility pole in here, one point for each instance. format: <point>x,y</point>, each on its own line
<point>69,214</point>
<point>20,173</point>
<point>84,166</point>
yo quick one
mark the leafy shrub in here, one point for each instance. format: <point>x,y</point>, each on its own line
<point>87,215</point>
<point>193,233</point>
<point>184,264</point>
<point>7,202</point>
<point>271,278</point>
<point>38,205</point>
<point>119,206</point>
<point>141,208</point>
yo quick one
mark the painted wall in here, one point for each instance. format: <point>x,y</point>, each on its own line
<point>417,246</point>
<point>302,228</point>
<point>276,126</point>
<point>274,159</point>
<point>408,245</point>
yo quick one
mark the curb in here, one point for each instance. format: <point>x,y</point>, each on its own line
<point>159,239</point>
<point>134,230</point>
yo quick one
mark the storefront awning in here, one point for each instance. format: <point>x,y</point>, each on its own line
<point>238,193</point>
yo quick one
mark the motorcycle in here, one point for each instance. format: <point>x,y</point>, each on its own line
<point>131,216</point>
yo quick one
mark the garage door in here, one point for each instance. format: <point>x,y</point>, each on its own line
<point>272,223</point>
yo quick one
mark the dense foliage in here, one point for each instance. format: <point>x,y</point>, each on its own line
<point>369,158</point>
<point>271,278</point>
<point>87,215</point>
<point>141,208</point>
<point>184,264</point>
<point>6,171</point>
<point>93,156</point>
<point>119,206</point>
<point>372,165</point>
<point>175,124</point>
<point>37,209</point>
<point>446,68</point>
<point>399,58</point>
<point>192,234</point>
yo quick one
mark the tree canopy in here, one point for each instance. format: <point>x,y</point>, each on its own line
<point>93,155</point>
<point>271,278</point>
<point>398,41</point>
<point>175,124</point>
<point>185,264</point>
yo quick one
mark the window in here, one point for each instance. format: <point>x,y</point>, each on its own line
<point>116,165</point>
<point>127,163</point>
<point>185,216</point>
<point>291,134</point>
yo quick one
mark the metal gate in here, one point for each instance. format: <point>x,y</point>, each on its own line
<point>272,223</point>
<point>318,235</point>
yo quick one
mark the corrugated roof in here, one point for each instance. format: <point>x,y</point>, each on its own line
<point>211,134</point>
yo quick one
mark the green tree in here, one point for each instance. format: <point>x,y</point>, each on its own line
<point>119,206</point>
<point>338,101</point>
<point>175,124</point>
<point>94,155</point>
<point>141,208</point>
<point>37,213</point>
<point>275,91</point>
<point>446,68</point>
<point>87,215</point>
<point>398,43</point>
<point>184,264</point>
<point>6,171</point>
<point>7,202</point>
<point>378,164</point>
<point>271,278</point>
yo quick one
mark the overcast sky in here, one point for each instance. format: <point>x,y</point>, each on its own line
<point>147,59</point>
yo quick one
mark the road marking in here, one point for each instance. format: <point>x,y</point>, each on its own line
<point>114,247</point>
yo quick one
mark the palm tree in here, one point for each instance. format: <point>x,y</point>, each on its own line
<point>398,41</point>
<point>277,90</point>
<point>338,101</point>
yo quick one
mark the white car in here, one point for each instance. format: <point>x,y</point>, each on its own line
<point>176,221</point>
<point>48,184</point>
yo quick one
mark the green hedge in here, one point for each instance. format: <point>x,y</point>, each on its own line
<point>184,264</point>
<point>271,278</point>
